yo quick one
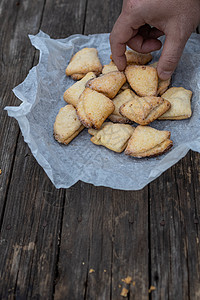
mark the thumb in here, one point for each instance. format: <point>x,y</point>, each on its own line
<point>171,53</point>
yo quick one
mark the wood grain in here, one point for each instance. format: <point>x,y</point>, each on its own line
<point>16,60</point>
<point>174,272</point>
<point>80,243</point>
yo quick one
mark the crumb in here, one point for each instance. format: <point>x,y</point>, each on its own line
<point>124,292</point>
<point>133,283</point>
<point>83,263</point>
<point>152,288</point>
<point>0,171</point>
<point>120,286</point>
<point>127,280</point>
<point>104,271</point>
<point>91,271</point>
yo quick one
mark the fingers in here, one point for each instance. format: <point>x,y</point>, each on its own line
<point>149,32</point>
<point>146,39</point>
<point>122,32</point>
<point>143,40</point>
<point>139,44</point>
<point>171,53</point>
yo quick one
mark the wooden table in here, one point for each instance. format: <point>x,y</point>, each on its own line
<point>79,243</point>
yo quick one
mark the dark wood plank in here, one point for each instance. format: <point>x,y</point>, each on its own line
<point>63,18</point>
<point>16,60</point>
<point>174,233</point>
<point>101,15</point>
<point>85,234</point>
<point>130,243</point>
<point>51,239</point>
<point>30,231</point>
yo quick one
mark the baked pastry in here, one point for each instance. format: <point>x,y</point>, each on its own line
<point>112,136</point>
<point>94,108</point>
<point>111,67</point>
<point>133,57</point>
<point>142,79</point>
<point>124,97</point>
<point>67,125</point>
<point>81,113</point>
<point>144,110</point>
<point>73,93</point>
<point>148,142</point>
<point>84,61</point>
<point>162,84</point>
<point>180,100</point>
<point>108,84</point>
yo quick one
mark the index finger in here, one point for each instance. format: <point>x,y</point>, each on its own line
<point>122,32</point>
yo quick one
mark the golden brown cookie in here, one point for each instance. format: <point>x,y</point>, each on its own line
<point>162,84</point>
<point>94,107</point>
<point>67,125</point>
<point>81,113</point>
<point>94,131</point>
<point>108,84</point>
<point>113,136</point>
<point>119,100</point>
<point>142,79</point>
<point>133,57</point>
<point>148,142</point>
<point>84,61</point>
<point>180,100</point>
<point>77,76</point>
<point>73,93</point>
<point>111,67</point>
<point>144,110</point>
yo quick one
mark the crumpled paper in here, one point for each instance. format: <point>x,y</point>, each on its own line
<point>41,94</point>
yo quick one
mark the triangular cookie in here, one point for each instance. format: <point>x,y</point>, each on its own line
<point>67,125</point>
<point>162,84</point>
<point>84,61</point>
<point>144,110</point>
<point>142,79</point>
<point>94,107</point>
<point>111,67</point>
<point>137,58</point>
<point>133,57</point>
<point>125,96</point>
<point>81,113</point>
<point>113,136</point>
<point>108,84</point>
<point>73,93</point>
<point>147,142</point>
<point>180,100</point>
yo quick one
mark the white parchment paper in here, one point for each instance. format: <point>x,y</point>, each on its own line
<point>41,94</point>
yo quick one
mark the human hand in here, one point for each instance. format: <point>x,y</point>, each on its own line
<point>140,24</point>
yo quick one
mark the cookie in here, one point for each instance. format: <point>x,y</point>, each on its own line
<point>73,93</point>
<point>122,98</point>
<point>144,110</point>
<point>111,67</point>
<point>108,84</point>
<point>180,100</point>
<point>133,57</point>
<point>67,125</point>
<point>84,61</point>
<point>142,79</point>
<point>148,142</point>
<point>113,136</point>
<point>94,108</point>
<point>162,84</point>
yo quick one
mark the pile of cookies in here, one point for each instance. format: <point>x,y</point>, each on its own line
<point>136,95</point>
